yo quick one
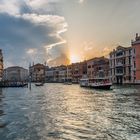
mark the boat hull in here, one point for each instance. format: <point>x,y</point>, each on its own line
<point>38,85</point>
<point>67,83</point>
<point>105,87</point>
<point>83,84</point>
<point>101,86</point>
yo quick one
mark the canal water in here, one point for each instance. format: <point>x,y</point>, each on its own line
<point>69,112</point>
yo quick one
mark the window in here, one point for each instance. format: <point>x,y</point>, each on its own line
<point>134,51</point>
<point>134,64</point>
<point>129,60</point>
<point>89,66</point>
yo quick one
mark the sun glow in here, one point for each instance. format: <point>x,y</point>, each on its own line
<point>74,59</point>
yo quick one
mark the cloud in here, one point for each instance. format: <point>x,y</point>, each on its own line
<point>81,1</point>
<point>88,46</point>
<point>60,60</point>
<point>9,7</point>
<point>31,51</point>
<point>25,30</point>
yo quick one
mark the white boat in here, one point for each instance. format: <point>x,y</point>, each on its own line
<point>97,83</point>
<point>84,82</point>
<point>100,83</point>
<point>39,84</point>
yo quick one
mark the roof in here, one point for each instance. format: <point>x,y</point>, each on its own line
<point>121,48</point>
<point>98,58</point>
<point>38,65</point>
<point>14,67</point>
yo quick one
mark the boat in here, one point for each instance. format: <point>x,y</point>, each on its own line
<point>39,84</point>
<point>84,82</point>
<point>100,83</point>
<point>67,82</point>
<point>13,84</point>
<point>97,83</point>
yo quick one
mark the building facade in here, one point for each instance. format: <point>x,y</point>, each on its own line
<point>62,73</point>
<point>49,74</point>
<point>98,68</point>
<point>15,74</point>
<point>37,72</point>
<point>78,70</point>
<point>1,64</point>
<point>56,74</point>
<point>136,60</point>
<point>121,65</point>
<point>69,72</point>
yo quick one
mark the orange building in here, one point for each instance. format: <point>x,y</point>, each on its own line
<point>37,72</point>
<point>98,67</point>
<point>78,70</point>
<point>136,59</point>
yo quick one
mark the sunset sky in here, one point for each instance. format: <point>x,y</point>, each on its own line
<point>57,31</point>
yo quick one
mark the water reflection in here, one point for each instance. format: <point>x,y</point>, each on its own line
<point>56,111</point>
<point>1,103</point>
<point>2,124</point>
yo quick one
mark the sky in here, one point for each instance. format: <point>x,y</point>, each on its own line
<point>64,31</point>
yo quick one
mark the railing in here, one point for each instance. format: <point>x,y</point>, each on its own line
<point>119,64</point>
<point>119,73</point>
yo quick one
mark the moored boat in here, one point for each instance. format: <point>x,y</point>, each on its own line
<point>84,82</point>
<point>39,84</point>
<point>68,81</point>
<point>6,84</point>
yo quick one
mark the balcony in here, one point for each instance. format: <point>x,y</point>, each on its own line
<point>119,73</point>
<point>119,64</point>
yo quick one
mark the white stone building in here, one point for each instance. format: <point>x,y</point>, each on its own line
<point>15,74</point>
<point>121,65</point>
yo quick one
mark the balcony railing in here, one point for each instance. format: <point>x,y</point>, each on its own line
<point>119,64</point>
<point>120,56</point>
<point>119,73</point>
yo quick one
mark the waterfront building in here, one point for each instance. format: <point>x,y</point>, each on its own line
<point>136,60</point>
<point>49,74</point>
<point>69,72</point>
<point>98,68</point>
<point>56,74</point>
<point>120,65</point>
<point>1,64</point>
<point>37,72</point>
<point>78,70</point>
<point>62,73</point>
<point>15,74</point>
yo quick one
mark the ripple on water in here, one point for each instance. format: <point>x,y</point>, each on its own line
<point>57,111</point>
